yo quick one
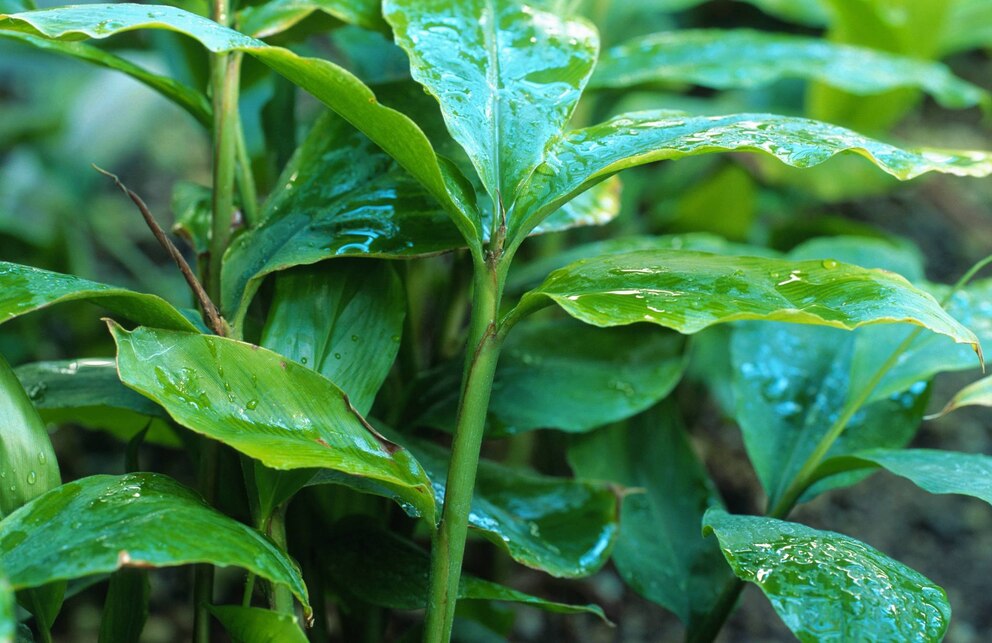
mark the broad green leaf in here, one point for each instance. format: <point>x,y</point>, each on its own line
<point>186,97</point>
<point>661,553</point>
<point>332,85</point>
<point>275,16</point>
<point>975,394</point>
<point>597,206</point>
<point>583,157</point>
<point>967,474</point>
<point>89,393</point>
<point>125,609</point>
<point>827,586</point>
<point>100,524</point>
<point>24,289</point>
<point>568,376</point>
<point>381,568</point>
<point>257,625</point>
<point>507,77</point>
<point>339,196</point>
<point>743,58</point>
<point>563,527</point>
<point>343,320</point>
<point>688,291</point>
<point>8,611</point>
<point>264,405</point>
<point>28,467</point>
<point>791,382</point>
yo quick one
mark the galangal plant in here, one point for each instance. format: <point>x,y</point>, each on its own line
<point>325,381</point>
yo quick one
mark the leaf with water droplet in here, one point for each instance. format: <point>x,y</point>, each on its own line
<point>504,97</point>
<point>661,553</point>
<point>105,527</point>
<point>584,157</point>
<point>88,393</point>
<point>24,289</point>
<point>744,58</point>
<point>827,586</point>
<point>302,420</point>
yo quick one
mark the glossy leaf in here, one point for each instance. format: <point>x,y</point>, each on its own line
<point>339,196</point>
<point>89,393</point>
<point>264,405</point>
<point>597,206</point>
<point>334,86</point>
<point>563,527</point>
<point>137,520</point>
<point>28,467</point>
<point>661,553</point>
<point>743,58</point>
<point>186,97</point>
<point>584,157</point>
<point>568,376</point>
<point>688,291</point>
<point>257,625</point>
<point>967,474</point>
<point>507,77</point>
<point>24,289</point>
<point>827,586</point>
<point>275,16</point>
<point>343,320</point>
<point>381,568</point>
<point>791,382</point>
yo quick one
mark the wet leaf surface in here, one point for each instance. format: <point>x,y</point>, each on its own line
<point>102,523</point>
<point>381,568</point>
<point>264,405</point>
<point>661,553</point>
<point>507,77</point>
<point>24,289</point>
<point>743,58</point>
<point>275,16</point>
<point>827,586</point>
<point>258,625</point>
<point>340,196</point>
<point>89,393</point>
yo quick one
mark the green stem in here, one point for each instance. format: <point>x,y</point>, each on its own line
<point>246,178</point>
<point>713,622</point>
<point>225,78</point>
<point>480,366</point>
<point>280,598</point>
<point>203,576</point>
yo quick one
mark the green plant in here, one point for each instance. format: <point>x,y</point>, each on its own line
<point>290,377</point>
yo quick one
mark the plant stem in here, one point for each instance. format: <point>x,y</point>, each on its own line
<point>280,598</point>
<point>714,620</point>
<point>480,366</point>
<point>203,576</point>
<point>246,178</point>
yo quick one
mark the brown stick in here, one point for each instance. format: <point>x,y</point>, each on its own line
<point>217,323</point>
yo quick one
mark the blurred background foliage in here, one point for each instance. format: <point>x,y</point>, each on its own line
<point>58,116</point>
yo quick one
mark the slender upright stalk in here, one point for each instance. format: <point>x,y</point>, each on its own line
<point>225,74</point>
<point>480,365</point>
<point>280,598</point>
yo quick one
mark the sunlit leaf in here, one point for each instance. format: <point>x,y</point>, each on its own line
<point>507,77</point>
<point>827,586</point>
<point>975,394</point>
<point>264,405</point>
<point>584,157</point>
<point>334,86</point>
<point>24,289</point>
<point>661,553</point>
<point>339,196</point>
<point>186,97</point>
<point>743,58</point>
<point>688,291</point>
<point>257,625</point>
<point>89,393</point>
<point>567,376</point>
<point>381,568</point>
<point>101,524</point>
